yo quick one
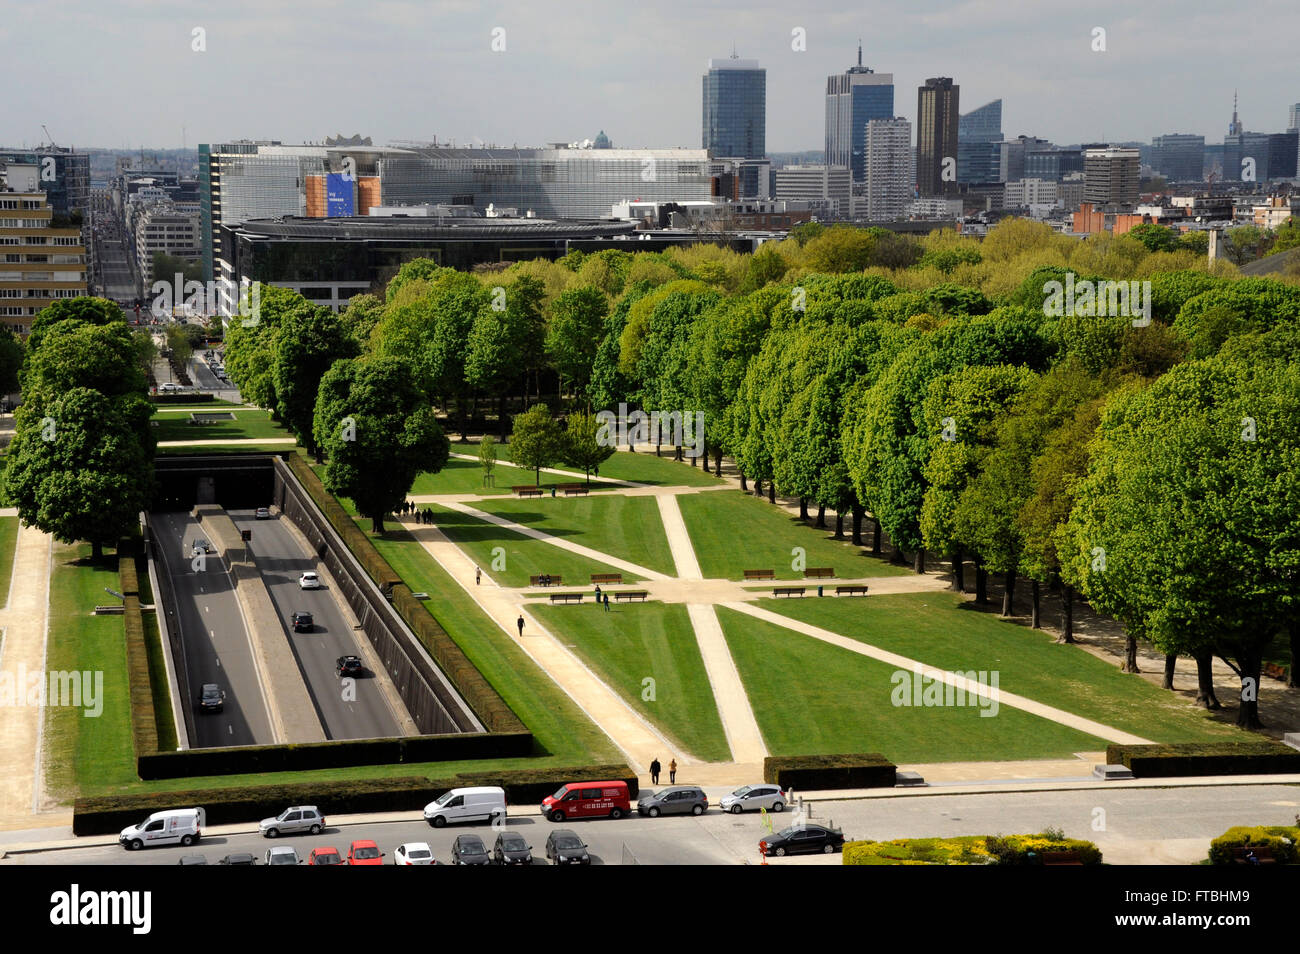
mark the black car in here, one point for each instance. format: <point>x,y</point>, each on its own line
<point>803,839</point>
<point>469,850</point>
<point>349,666</point>
<point>563,847</point>
<point>212,698</point>
<point>512,849</point>
<point>239,858</point>
<point>302,622</point>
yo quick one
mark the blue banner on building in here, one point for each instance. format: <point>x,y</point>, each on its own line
<point>340,194</point>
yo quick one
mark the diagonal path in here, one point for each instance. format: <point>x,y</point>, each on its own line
<point>552,470</point>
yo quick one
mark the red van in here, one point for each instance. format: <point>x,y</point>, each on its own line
<point>588,800</point>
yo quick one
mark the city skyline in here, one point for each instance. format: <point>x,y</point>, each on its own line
<point>570,70</point>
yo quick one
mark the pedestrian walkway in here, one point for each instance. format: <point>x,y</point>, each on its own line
<point>552,470</point>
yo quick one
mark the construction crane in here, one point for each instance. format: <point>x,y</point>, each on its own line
<point>47,135</point>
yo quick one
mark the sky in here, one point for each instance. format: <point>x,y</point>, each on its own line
<point>130,73</point>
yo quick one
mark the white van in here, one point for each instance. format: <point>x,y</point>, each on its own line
<point>177,826</point>
<point>466,804</point>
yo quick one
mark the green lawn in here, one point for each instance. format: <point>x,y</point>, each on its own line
<point>8,545</point>
<point>248,424</point>
<point>945,631</point>
<point>649,641</point>
<point>625,527</point>
<point>466,477</point>
<point>642,468</point>
<point>812,698</point>
<point>734,531</point>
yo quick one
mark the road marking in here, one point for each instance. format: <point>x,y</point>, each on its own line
<point>230,728</point>
<point>212,633</point>
<point>218,662</point>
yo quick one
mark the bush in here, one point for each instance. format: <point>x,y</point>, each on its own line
<point>1029,849</point>
<point>144,725</point>
<point>1261,757</point>
<point>966,850</point>
<point>814,772</point>
<point>1281,841</point>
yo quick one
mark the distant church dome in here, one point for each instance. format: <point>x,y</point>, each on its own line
<point>602,141</point>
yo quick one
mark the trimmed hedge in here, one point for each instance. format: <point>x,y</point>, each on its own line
<point>144,724</point>
<point>814,772</point>
<point>968,850</point>
<point>225,806</point>
<point>1029,849</point>
<point>1282,841</point>
<point>128,579</point>
<point>181,398</point>
<point>1258,757</point>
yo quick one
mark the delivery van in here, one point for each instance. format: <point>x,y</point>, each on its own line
<point>177,826</point>
<point>588,800</point>
<point>467,804</point>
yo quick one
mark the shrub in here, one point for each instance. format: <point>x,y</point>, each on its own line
<point>813,772</point>
<point>1281,841</point>
<point>1259,757</point>
<point>1029,849</point>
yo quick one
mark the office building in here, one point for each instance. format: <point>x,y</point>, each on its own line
<point>41,263</point>
<point>826,189</point>
<point>735,113</point>
<point>1013,156</point>
<point>1111,176</point>
<point>1272,155</point>
<point>62,174</point>
<point>936,137</point>
<point>889,185</point>
<point>979,134</point>
<point>1053,163</point>
<point>1029,192</point>
<point>1178,157</point>
<point>159,226</point>
<point>853,99</point>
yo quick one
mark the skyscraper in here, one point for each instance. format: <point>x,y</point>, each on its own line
<point>735,116</point>
<point>936,136</point>
<point>853,99</point>
<point>978,134</point>
<point>889,168</point>
<point>1111,176</point>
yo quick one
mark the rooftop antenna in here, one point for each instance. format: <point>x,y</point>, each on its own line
<point>859,51</point>
<point>733,50</point>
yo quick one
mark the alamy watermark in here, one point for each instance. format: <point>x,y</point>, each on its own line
<point>1105,299</point>
<point>940,689</point>
<point>220,297</point>
<point>681,429</point>
<point>38,688</point>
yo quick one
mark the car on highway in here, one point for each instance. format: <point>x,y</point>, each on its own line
<point>295,818</point>
<point>238,858</point>
<point>512,849</point>
<point>200,546</point>
<point>212,698</point>
<point>469,850</point>
<point>324,856</point>
<point>302,622</point>
<point>679,800</point>
<point>803,840</point>
<point>365,852</point>
<point>309,581</point>
<point>282,855</point>
<point>414,853</point>
<point>262,513</point>
<point>750,798</point>
<point>349,666</point>
<point>563,847</point>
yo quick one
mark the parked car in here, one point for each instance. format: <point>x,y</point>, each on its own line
<point>588,800</point>
<point>483,803</point>
<point>512,849</point>
<point>295,818</point>
<point>365,852</point>
<point>309,581</point>
<point>302,622</point>
<point>349,666</point>
<point>414,853</point>
<point>262,513</point>
<point>238,858</point>
<point>212,698</point>
<point>750,798</point>
<point>563,847</point>
<point>681,800</point>
<point>193,860</point>
<point>282,855</point>
<point>469,850</point>
<point>324,856</point>
<point>802,840</point>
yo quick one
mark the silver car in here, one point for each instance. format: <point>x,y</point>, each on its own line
<point>293,819</point>
<point>750,798</point>
<point>679,800</point>
<point>283,855</point>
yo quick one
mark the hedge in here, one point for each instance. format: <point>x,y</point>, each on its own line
<point>144,724</point>
<point>181,398</point>
<point>1281,840</point>
<point>128,579</point>
<point>813,772</point>
<point>109,814</point>
<point>969,850</point>
<point>1257,757</point>
<point>1029,849</point>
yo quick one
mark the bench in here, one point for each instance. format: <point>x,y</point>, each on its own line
<point>818,572</point>
<point>551,581</point>
<point>527,491</point>
<point>1263,855</point>
<point>760,574</point>
<point>788,591</point>
<point>571,489</point>
<point>566,597</point>
<point>855,589</point>
<point>639,595</point>
<point>607,578</point>
<point>115,609</point>
<point>1061,858</point>
<point>1276,671</point>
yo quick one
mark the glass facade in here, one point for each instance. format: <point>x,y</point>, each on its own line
<point>735,109</point>
<point>853,99</point>
<point>936,135</point>
<point>978,135</point>
<point>1179,158</point>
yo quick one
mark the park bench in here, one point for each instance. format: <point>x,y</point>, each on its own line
<point>853,589</point>
<point>113,609</point>
<point>571,489</point>
<point>566,597</point>
<point>1263,854</point>
<point>551,581</point>
<point>760,574</point>
<point>1274,670</point>
<point>788,591</point>
<point>607,578</point>
<point>818,572</point>
<point>639,595</point>
<point>527,491</point>
<point>1061,858</point>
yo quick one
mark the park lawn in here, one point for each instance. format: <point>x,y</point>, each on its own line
<point>733,531</point>
<point>812,698</point>
<point>83,754</point>
<point>629,528</point>
<point>247,425</point>
<point>8,546</point>
<point>519,556</point>
<point>642,467</point>
<point>943,630</point>
<point>466,477</point>
<point>633,643</point>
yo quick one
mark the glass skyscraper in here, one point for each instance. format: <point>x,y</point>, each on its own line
<point>936,135</point>
<point>735,109</point>
<point>853,99</point>
<point>979,133</point>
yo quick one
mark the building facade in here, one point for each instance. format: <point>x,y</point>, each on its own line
<point>39,264</point>
<point>735,109</point>
<point>1110,176</point>
<point>889,186</point>
<point>827,188</point>
<point>979,133</point>
<point>853,99</point>
<point>1178,157</point>
<point>936,136</point>
<point>62,174</point>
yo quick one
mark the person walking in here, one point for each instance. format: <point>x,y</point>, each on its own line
<point>672,772</point>
<point>520,624</point>
<point>607,601</point>
<point>597,592</point>
<point>654,772</point>
<point>478,575</point>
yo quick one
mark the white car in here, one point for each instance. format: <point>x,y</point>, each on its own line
<point>283,855</point>
<point>309,581</point>
<point>750,798</point>
<point>414,853</point>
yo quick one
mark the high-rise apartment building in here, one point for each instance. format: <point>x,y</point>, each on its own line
<point>825,188</point>
<point>853,99</point>
<point>889,183</point>
<point>979,134</point>
<point>39,263</point>
<point>936,137</point>
<point>1111,176</point>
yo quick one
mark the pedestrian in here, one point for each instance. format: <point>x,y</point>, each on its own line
<point>597,592</point>
<point>654,772</point>
<point>607,601</point>
<point>428,513</point>
<point>478,575</point>
<point>672,772</point>
<point>520,624</point>
<point>552,490</point>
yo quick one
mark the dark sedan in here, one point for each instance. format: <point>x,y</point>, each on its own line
<point>212,698</point>
<point>239,858</point>
<point>512,849</point>
<point>563,847</point>
<point>302,622</point>
<point>469,850</point>
<point>349,666</point>
<point>802,840</point>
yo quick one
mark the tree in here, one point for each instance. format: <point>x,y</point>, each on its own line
<point>841,248</point>
<point>84,309</point>
<point>361,316</point>
<point>378,432</point>
<point>310,341</point>
<point>487,458</point>
<point>11,360</point>
<point>581,446</point>
<point>178,342</point>
<point>73,354</point>
<point>536,440</point>
<point>166,267</point>
<point>574,334</point>
<point>1156,238</point>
